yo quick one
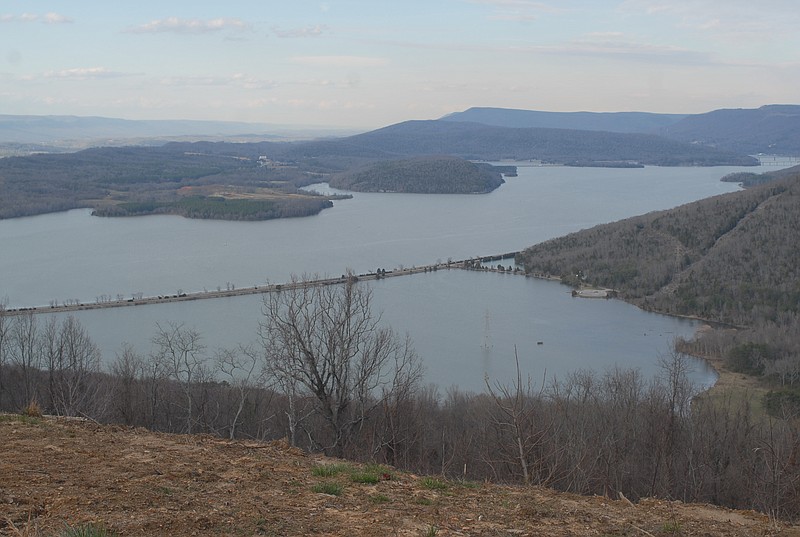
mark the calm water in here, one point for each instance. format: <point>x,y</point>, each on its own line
<point>73,255</point>
<point>463,324</point>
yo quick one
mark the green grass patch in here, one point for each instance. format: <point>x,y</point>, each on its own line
<point>422,500</point>
<point>86,530</point>
<point>330,470</point>
<point>366,478</point>
<point>379,498</point>
<point>432,483</point>
<point>20,418</point>
<point>384,472</point>
<point>334,489</point>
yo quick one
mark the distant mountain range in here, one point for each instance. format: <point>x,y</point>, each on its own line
<point>35,184</point>
<point>475,141</point>
<point>78,132</point>
<point>562,146</point>
<point>627,122</point>
<point>771,129</point>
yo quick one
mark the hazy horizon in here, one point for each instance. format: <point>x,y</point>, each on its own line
<point>353,65</point>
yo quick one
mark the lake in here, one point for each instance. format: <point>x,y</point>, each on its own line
<point>463,324</point>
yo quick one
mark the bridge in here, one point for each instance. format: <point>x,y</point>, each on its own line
<point>465,264</point>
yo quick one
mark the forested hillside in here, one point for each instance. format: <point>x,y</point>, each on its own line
<point>728,258</point>
<point>484,142</point>
<point>773,129</point>
<point>731,258</point>
<point>431,175</point>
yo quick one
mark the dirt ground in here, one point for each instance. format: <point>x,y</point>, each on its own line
<point>56,472</point>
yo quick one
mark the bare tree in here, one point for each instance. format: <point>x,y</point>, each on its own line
<point>241,367</point>
<point>74,362</point>
<point>515,404</point>
<point>5,335</point>
<point>25,353</point>
<point>128,370</point>
<point>181,354</point>
<point>327,342</point>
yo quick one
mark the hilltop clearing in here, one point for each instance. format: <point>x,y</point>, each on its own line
<point>133,482</point>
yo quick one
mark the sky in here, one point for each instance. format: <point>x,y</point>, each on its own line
<point>368,64</point>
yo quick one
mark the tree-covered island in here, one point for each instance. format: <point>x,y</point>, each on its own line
<point>424,175</point>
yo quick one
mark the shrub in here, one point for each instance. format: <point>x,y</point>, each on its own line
<point>33,410</point>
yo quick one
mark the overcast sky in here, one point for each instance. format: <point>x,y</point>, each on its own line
<point>367,64</point>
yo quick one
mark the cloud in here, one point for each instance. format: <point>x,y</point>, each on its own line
<point>55,18</point>
<point>741,20</point>
<point>190,26</point>
<point>340,61</point>
<point>517,10</point>
<point>240,80</point>
<point>308,31</point>
<point>84,73</point>
<point>326,104</point>
<point>47,18</point>
<point>614,45</point>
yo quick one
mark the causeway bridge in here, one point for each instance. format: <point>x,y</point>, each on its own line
<point>476,263</point>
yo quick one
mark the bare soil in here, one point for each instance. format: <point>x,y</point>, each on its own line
<point>57,472</point>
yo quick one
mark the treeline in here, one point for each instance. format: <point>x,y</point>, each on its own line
<point>425,175</point>
<point>606,433</point>
<point>214,207</point>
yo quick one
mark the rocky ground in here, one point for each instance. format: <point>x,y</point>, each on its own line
<point>57,473</point>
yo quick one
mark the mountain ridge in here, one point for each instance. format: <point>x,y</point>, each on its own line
<point>772,129</point>
<point>622,122</point>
